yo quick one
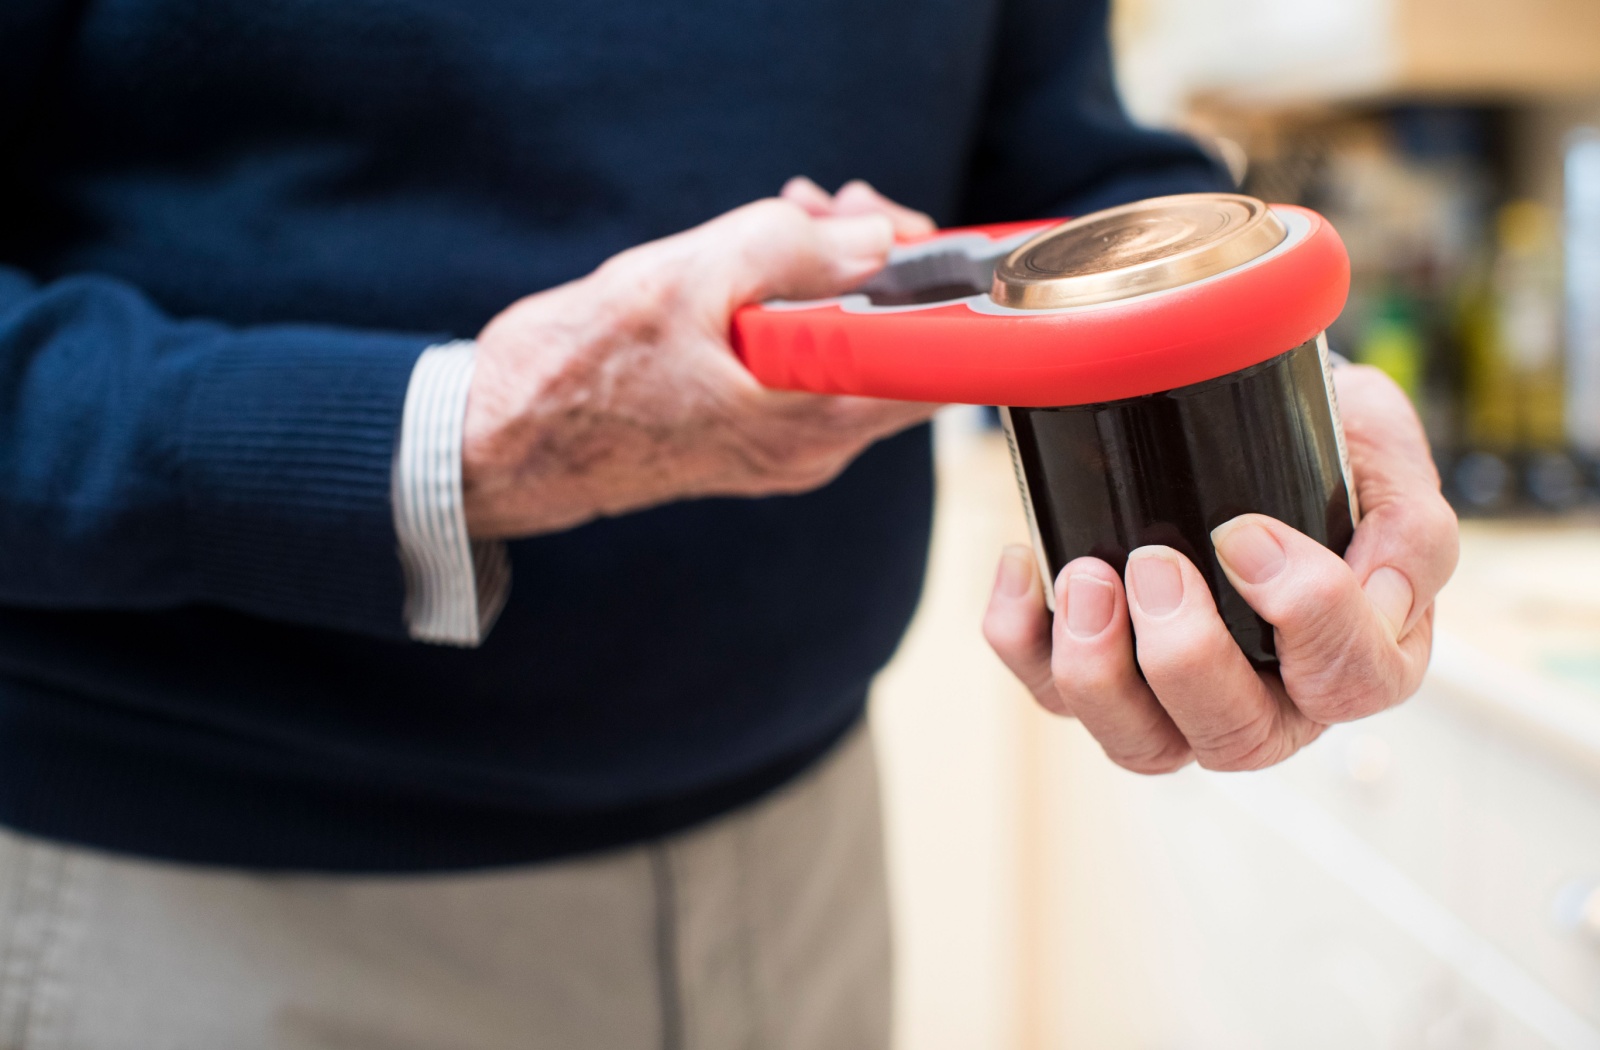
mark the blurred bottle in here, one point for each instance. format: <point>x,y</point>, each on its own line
<point>1409,191</point>
<point>1482,478</point>
<point>1582,257</point>
<point>1530,287</point>
<point>1510,323</point>
<point>1528,290</point>
<point>1394,340</point>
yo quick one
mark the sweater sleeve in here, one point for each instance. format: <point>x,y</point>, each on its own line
<point>1055,139</point>
<point>148,462</point>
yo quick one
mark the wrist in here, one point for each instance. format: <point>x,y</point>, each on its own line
<point>525,409</point>
<point>488,472</point>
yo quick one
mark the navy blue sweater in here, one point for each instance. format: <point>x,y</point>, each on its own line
<point>228,228</point>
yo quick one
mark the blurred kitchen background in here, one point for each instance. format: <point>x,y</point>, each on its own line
<point>1426,879</point>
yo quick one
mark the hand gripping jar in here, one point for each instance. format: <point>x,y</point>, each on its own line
<point>1162,367</point>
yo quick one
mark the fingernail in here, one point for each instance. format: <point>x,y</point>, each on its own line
<point>1390,593</point>
<point>1016,571</point>
<point>1090,602</point>
<point>1155,580</point>
<point>860,239</point>
<point>1248,551</point>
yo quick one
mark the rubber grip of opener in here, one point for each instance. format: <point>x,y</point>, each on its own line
<point>953,353</point>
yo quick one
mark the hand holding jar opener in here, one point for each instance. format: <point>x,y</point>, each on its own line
<point>1167,399</point>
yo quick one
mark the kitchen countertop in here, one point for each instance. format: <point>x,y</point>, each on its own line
<point>1519,630</point>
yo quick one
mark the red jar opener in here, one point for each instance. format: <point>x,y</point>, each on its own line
<point>928,328</point>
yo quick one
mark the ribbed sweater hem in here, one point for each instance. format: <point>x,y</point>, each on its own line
<point>88,775</point>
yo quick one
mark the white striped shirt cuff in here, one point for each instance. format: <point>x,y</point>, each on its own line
<point>455,587</point>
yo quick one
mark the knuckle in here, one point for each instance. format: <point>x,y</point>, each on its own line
<point>1162,758</point>
<point>646,293</point>
<point>1048,698</point>
<point>798,473</point>
<point>1324,588</point>
<point>1010,629</point>
<point>1085,679</point>
<point>1336,706</point>
<point>614,265</point>
<point>749,409</point>
<point>656,292</point>
<point>767,449</point>
<point>765,454</point>
<point>1346,691</point>
<point>1442,522</point>
<point>1316,649</point>
<point>1015,642</point>
<point>623,268</point>
<point>822,474</point>
<point>775,219</point>
<point>1186,657</point>
<point>1252,744</point>
<point>1421,527</point>
<point>1000,631</point>
<point>806,462</point>
<point>1316,600</point>
<point>1440,530</point>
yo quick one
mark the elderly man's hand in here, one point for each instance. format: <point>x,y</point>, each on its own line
<point>856,198</point>
<point>1353,634</point>
<point>619,391</point>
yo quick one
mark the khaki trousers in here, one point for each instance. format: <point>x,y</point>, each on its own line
<point>764,929</point>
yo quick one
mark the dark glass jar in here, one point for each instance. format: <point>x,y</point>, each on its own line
<point>1167,468</point>
<point>1198,430</point>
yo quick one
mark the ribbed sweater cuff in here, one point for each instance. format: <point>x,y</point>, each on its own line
<point>287,454</point>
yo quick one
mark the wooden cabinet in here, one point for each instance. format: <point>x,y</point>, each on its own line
<point>1285,52</point>
<point>1498,46</point>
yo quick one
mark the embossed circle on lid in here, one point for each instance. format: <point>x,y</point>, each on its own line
<point>1148,246</point>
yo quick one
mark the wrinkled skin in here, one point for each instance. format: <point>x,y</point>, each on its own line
<point>620,391</point>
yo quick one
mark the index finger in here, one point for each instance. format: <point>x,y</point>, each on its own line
<point>1341,650</point>
<point>1406,526</point>
<point>858,197</point>
<point>1233,716</point>
<point>800,190</point>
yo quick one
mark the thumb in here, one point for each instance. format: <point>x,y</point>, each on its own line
<point>773,250</point>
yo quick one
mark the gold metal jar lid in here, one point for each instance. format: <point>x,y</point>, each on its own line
<point>1148,246</point>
